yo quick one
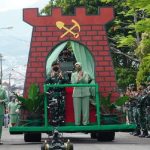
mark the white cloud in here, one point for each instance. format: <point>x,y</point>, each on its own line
<point>6,5</point>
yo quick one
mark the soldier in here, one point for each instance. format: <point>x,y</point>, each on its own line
<point>3,102</point>
<point>132,108</point>
<point>12,107</point>
<point>131,92</point>
<point>136,116</point>
<point>142,111</point>
<point>147,114</point>
<point>56,96</point>
<point>81,95</point>
<point>147,105</point>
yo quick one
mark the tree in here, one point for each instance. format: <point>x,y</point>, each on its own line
<point>144,47</point>
<point>136,38</point>
<point>144,70</point>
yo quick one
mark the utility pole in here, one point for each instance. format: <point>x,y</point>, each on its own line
<point>9,88</point>
<point>9,81</point>
<point>1,64</point>
<point>1,57</point>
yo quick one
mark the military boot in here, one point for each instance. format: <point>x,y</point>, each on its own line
<point>144,134</point>
<point>137,133</point>
<point>148,136</point>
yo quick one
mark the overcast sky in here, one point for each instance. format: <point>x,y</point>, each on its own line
<point>15,41</point>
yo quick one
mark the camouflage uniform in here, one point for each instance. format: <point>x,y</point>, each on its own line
<point>136,117</point>
<point>56,100</point>
<point>131,111</point>
<point>147,109</point>
<point>142,114</point>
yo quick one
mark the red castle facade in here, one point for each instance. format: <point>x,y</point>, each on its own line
<point>46,35</point>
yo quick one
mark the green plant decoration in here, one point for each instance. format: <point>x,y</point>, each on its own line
<point>108,106</point>
<point>34,101</point>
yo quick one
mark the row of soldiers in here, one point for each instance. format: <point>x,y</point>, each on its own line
<point>138,108</point>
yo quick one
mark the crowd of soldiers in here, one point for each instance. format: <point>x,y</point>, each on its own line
<point>138,108</point>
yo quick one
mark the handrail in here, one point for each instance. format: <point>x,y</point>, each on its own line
<point>70,85</point>
<point>46,86</point>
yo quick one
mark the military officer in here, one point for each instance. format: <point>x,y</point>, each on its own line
<point>3,101</point>
<point>57,112</point>
<point>80,95</point>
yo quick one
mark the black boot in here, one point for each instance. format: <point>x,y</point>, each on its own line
<point>131,133</point>
<point>145,133</point>
<point>137,133</point>
<point>148,136</point>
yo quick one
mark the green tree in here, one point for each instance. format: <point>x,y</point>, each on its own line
<point>125,76</point>
<point>69,5</point>
<point>135,41</point>
<point>144,47</point>
<point>144,70</point>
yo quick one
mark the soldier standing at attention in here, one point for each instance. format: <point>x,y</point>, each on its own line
<point>142,111</point>
<point>80,95</point>
<point>3,101</point>
<point>12,107</point>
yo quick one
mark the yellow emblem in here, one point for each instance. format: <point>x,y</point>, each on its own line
<point>60,25</point>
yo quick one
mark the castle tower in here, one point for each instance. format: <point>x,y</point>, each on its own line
<point>90,31</point>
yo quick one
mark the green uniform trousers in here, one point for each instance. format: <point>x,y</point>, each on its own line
<point>81,107</point>
<point>142,118</point>
<point>1,124</point>
<point>2,109</point>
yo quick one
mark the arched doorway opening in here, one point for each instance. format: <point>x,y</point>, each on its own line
<point>69,52</point>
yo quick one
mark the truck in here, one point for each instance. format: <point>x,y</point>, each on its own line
<point>101,127</point>
<point>67,39</point>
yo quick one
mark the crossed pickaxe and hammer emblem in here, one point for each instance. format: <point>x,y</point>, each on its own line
<point>60,25</point>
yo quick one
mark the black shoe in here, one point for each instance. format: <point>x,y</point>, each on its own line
<point>131,133</point>
<point>143,135</point>
<point>148,136</point>
<point>136,134</point>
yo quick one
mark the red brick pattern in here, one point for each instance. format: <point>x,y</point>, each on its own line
<point>45,36</point>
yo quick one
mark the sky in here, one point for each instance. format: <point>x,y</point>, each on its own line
<point>15,36</point>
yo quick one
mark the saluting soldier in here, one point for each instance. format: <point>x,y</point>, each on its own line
<point>80,95</point>
<point>56,94</point>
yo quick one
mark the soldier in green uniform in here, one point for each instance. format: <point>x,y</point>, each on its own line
<point>131,92</point>
<point>80,95</point>
<point>3,102</point>
<point>56,96</point>
<point>142,111</point>
<point>148,102</point>
<point>12,107</point>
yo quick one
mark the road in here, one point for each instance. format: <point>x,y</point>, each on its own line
<point>123,141</point>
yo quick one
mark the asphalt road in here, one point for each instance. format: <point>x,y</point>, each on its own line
<point>123,141</point>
